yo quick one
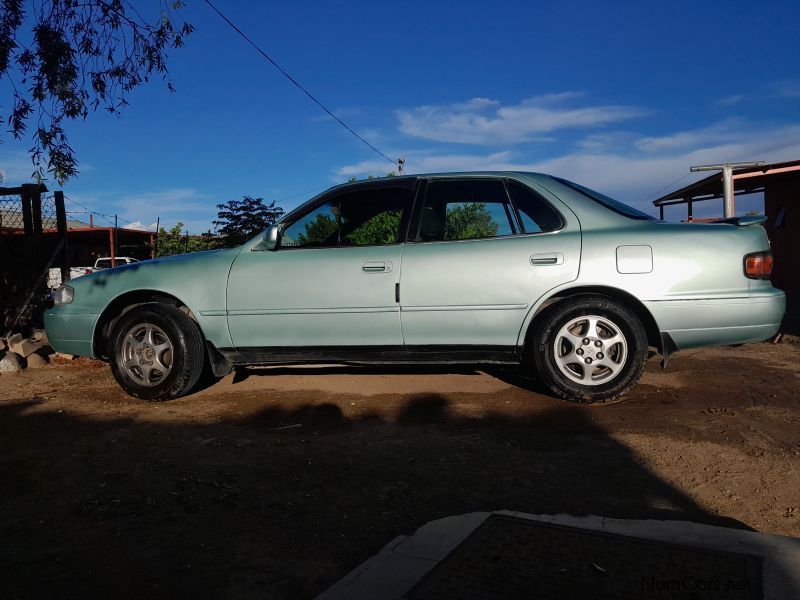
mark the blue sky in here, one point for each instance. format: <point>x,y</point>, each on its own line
<point>620,96</point>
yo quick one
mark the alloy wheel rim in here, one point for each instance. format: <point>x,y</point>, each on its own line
<point>590,350</point>
<point>146,354</point>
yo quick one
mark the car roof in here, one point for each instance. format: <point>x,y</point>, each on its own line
<point>379,181</point>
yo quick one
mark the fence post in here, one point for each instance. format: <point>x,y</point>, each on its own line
<point>61,227</point>
<point>111,243</point>
<point>36,214</point>
<point>29,262</point>
<point>27,216</point>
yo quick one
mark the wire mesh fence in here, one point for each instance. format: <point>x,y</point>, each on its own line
<point>11,212</point>
<point>32,237</point>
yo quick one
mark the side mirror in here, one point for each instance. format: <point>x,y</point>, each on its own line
<point>271,238</point>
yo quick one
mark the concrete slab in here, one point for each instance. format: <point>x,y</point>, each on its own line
<point>405,560</point>
<point>23,347</point>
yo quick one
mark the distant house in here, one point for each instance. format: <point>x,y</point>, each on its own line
<point>33,249</point>
<point>86,242</point>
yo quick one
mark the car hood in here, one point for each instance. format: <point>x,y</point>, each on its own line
<point>194,277</point>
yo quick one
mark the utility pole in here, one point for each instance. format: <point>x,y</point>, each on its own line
<point>727,181</point>
<point>158,230</point>
<point>400,163</point>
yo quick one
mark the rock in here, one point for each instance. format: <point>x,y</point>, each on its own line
<point>22,346</point>
<point>60,356</point>
<point>39,335</point>
<point>2,345</point>
<point>37,361</point>
<point>11,363</point>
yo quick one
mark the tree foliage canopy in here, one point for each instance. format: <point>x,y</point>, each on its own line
<point>239,220</point>
<point>79,56</point>
<point>175,241</point>
<point>380,230</point>
<point>468,221</point>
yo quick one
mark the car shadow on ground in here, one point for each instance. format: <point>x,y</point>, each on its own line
<point>282,500</point>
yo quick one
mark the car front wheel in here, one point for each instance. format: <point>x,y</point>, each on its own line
<point>157,352</point>
<point>589,348</point>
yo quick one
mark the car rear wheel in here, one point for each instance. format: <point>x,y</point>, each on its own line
<point>157,352</point>
<point>588,348</point>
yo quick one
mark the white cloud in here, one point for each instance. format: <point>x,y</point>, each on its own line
<point>717,133</point>
<point>139,226</point>
<point>186,205</point>
<point>728,101</point>
<point>16,168</point>
<point>424,162</point>
<point>140,210</point>
<point>787,88</point>
<point>486,121</point>
<point>625,172</point>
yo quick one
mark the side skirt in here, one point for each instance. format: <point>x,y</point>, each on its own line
<point>282,355</point>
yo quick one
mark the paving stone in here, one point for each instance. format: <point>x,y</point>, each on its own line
<point>23,347</point>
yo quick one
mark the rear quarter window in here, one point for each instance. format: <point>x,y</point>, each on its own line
<point>535,212</point>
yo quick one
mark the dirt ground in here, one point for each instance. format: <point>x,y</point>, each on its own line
<point>273,483</point>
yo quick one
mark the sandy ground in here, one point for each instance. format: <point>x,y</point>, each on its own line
<point>273,483</point>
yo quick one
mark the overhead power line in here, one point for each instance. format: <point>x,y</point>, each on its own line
<point>295,82</point>
<point>661,189</point>
<point>94,212</point>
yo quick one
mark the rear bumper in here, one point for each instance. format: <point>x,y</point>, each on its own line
<point>720,321</point>
<point>70,333</point>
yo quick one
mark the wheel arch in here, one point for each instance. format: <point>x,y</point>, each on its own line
<point>122,304</point>
<point>651,328</point>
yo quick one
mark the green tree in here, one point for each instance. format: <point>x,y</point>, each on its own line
<point>379,230</point>
<point>81,55</point>
<point>468,221</point>
<point>318,230</point>
<point>239,220</point>
<point>353,179</point>
<point>176,241</point>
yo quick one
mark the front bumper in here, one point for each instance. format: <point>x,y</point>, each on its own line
<point>70,333</point>
<point>720,321</point>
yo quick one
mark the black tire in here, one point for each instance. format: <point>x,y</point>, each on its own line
<point>186,355</point>
<point>612,382</point>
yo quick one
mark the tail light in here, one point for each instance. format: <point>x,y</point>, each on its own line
<point>758,265</point>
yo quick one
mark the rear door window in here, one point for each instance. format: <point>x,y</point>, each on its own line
<point>466,210</point>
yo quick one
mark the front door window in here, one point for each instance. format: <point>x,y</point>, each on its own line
<point>359,218</point>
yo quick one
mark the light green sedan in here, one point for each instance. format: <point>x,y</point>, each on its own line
<point>481,268</point>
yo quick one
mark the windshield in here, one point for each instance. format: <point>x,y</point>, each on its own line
<point>610,203</point>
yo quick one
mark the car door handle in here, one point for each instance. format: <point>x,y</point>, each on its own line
<point>376,266</point>
<point>548,258</point>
